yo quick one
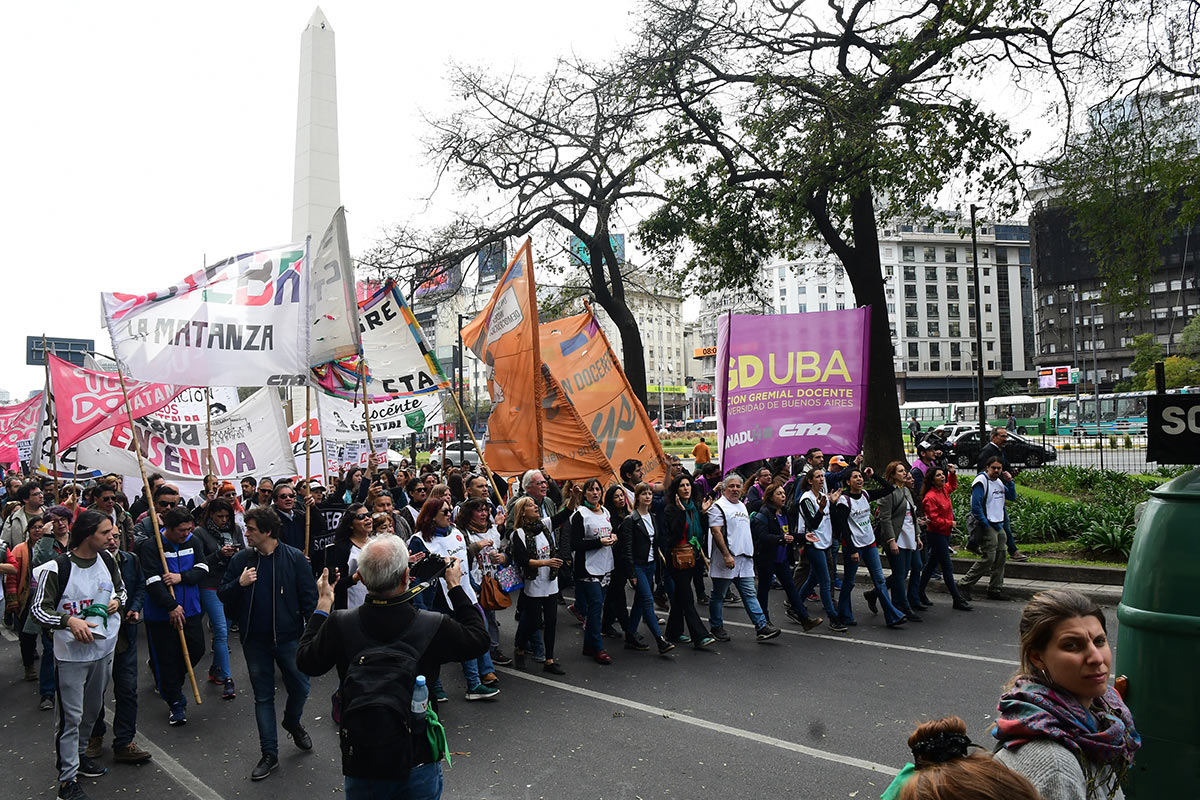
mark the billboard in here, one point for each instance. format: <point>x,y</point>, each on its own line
<point>579,251</point>
<point>1057,377</point>
<point>437,279</point>
<point>492,260</point>
<point>71,350</point>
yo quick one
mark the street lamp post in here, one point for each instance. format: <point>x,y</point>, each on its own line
<point>1096,382</point>
<point>978,328</point>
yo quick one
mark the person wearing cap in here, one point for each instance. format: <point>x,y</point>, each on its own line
<point>840,469</point>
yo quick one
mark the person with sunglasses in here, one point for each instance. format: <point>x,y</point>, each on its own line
<point>417,493</point>
<point>341,557</point>
<point>292,521</point>
<point>166,497</point>
<point>435,533</point>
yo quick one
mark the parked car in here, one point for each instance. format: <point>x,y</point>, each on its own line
<point>963,451</point>
<point>457,452</point>
<point>944,433</point>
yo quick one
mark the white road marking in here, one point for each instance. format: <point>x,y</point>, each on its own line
<point>707,725</point>
<point>1008,662</point>
<point>7,634</point>
<point>178,772</point>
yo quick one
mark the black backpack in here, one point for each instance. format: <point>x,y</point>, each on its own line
<point>377,731</point>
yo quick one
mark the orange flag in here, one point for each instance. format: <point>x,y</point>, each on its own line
<point>584,365</point>
<point>529,427</point>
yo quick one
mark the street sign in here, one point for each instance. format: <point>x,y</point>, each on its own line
<point>1173,428</point>
<point>72,350</point>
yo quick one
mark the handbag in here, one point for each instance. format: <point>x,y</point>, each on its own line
<point>509,578</point>
<point>683,556</point>
<point>491,595</point>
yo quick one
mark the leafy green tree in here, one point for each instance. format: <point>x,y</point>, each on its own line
<point>1189,338</point>
<point>1146,351</point>
<point>1178,371</point>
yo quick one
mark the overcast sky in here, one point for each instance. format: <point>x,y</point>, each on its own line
<point>142,136</point>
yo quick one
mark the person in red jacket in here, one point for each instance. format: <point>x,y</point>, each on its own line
<point>939,482</point>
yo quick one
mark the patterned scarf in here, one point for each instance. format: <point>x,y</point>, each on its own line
<point>1100,736</point>
<point>691,518</point>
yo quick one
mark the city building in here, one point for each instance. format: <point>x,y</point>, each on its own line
<point>1077,327</point>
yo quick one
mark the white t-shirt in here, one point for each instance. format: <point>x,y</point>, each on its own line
<point>861,533</point>
<point>824,529</point>
<point>993,498</point>
<point>356,593</point>
<point>908,530</point>
<point>648,521</point>
<point>734,519</point>
<point>598,562</point>
<point>485,555</point>
<point>452,545</point>
<point>541,586</point>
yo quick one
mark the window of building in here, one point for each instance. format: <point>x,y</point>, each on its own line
<point>987,327</point>
<point>930,274</point>
<point>955,349</point>
<point>782,272</point>
<point>987,308</point>
<point>952,291</point>
<point>932,311</point>
<point>955,366</point>
<point>887,251</point>
<point>931,291</point>
<point>841,306</point>
<point>910,273</point>
<point>802,308</point>
<point>935,350</point>
<point>991,365</point>
<point>782,292</point>
<point>824,306</point>
<point>889,270</point>
<point>952,310</point>
<point>910,310</point>
<point>908,253</point>
<point>933,328</point>
<point>970,291</point>
<point>971,274</point>
<point>891,308</point>
<point>930,254</point>
<point>914,350</point>
<point>906,229</point>
<point>914,366</point>
<point>911,329</point>
<point>955,329</point>
<point>802,290</point>
<point>839,272</point>
<point>822,289</point>
<point>990,344</point>
<point>1001,255</point>
<point>910,291</point>
<point>951,273</point>
<point>951,255</point>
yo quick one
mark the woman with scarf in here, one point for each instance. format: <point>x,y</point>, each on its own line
<point>435,534</point>
<point>815,506</point>
<point>532,548</point>
<point>684,530</point>
<point>1060,724</point>
<point>900,536</point>
<point>484,549</point>
<point>592,540</point>
<point>936,488</point>
<point>852,524</point>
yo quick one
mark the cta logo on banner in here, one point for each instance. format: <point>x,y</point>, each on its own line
<point>789,382</point>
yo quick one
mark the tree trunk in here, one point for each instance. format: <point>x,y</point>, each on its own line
<point>633,356</point>
<point>882,440</point>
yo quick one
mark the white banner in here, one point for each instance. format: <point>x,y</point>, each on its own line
<point>395,418</point>
<point>249,440</point>
<point>332,305</point>
<point>188,406</point>
<point>240,322</point>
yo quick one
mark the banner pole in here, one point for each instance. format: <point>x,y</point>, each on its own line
<point>362,374</point>
<point>212,463</point>
<point>137,449</point>
<point>53,421</point>
<point>486,469</point>
<point>307,465</point>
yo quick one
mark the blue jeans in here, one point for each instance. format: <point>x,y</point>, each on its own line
<point>869,557</point>
<point>589,601</point>
<point>818,575</point>
<point>940,559</point>
<point>124,683</point>
<point>783,572</point>
<point>424,782</point>
<point>903,584</point>
<point>643,601</point>
<point>745,587</point>
<point>262,656</point>
<point>211,604</point>
<point>475,667</point>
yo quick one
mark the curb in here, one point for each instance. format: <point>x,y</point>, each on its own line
<point>1019,589</point>
<point>1056,573</point>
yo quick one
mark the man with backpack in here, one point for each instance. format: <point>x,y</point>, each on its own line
<point>392,746</point>
<point>269,589</point>
<point>79,598</point>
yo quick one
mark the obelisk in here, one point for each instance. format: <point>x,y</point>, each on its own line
<point>316,193</point>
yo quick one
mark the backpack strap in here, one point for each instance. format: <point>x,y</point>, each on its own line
<point>418,635</point>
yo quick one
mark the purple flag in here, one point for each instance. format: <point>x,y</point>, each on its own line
<point>791,382</point>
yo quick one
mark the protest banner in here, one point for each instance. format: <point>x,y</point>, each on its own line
<point>189,405</point>
<point>87,401</point>
<point>19,423</point>
<point>397,361</point>
<point>570,452</point>
<point>315,445</point>
<point>240,322</point>
<point>588,371</point>
<point>332,306</point>
<point>250,440</point>
<point>391,418</point>
<point>789,382</point>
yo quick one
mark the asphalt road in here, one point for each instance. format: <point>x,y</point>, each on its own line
<point>817,715</point>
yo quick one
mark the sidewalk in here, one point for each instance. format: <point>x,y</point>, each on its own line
<point>1025,588</point>
<point>1024,579</point>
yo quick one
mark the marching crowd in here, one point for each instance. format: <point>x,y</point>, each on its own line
<point>394,572</point>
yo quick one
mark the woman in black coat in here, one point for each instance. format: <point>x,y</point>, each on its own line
<point>352,533</point>
<point>684,527</point>
<point>772,532</point>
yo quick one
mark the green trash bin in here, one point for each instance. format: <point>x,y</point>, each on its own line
<point>1158,646</point>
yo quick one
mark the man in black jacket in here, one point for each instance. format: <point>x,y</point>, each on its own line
<point>271,618</point>
<point>291,520</point>
<point>385,617</point>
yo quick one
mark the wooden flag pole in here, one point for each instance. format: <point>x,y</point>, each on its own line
<point>212,463</point>
<point>53,423</point>
<point>486,469</point>
<point>307,465</point>
<point>362,374</point>
<point>162,554</point>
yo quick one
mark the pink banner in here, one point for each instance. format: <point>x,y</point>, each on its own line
<point>788,382</point>
<point>18,423</point>
<point>87,402</point>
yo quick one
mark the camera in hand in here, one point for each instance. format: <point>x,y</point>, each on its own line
<point>429,568</point>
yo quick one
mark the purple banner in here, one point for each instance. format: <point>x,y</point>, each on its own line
<point>793,381</point>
